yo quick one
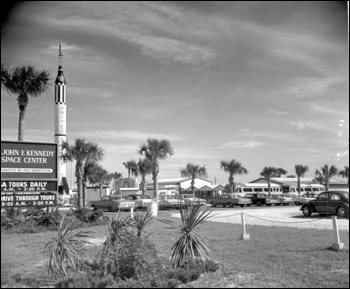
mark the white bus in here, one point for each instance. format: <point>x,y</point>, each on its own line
<point>304,189</point>
<point>246,188</point>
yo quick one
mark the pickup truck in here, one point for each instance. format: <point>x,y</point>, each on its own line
<point>112,203</point>
<point>229,201</point>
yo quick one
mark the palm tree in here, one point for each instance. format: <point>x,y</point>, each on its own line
<point>233,168</point>
<point>132,168</point>
<point>82,152</point>
<point>300,170</point>
<point>98,175</point>
<point>24,81</point>
<point>156,150</point>
<point>271,172</point>
<point>144,168</point>
<point>325,174</point>
<point>344,173</point>
<point>193,171</point>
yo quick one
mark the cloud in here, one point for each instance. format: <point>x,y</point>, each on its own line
<point>122,135</point>
<point>242,145</point>
<point>299,125</point>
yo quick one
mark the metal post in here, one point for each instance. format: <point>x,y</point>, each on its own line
<point>337,246</point>
<point>132,212</point>
<point>244,236</point>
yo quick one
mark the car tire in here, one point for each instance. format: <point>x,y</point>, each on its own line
<point>307,211</point>
<point>230,205</point>
<point>213,204</point>
<point>258,204</point>
<point>342,212</point>
<point>248,205</point>
<point>110,209</point>
<point>241,206</point>
<point>297,203</point>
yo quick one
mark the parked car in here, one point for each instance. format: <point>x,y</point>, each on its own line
<point>191,199</point>
<point>141,201</point>
<point>112,203</point>
<point>229,201</point>
<point>304,198</point>
<point>330,202</point>
<point>259,199</point>
<point>170,202</point>
<point>285,199</point>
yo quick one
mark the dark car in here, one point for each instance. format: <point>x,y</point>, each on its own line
<point>257,199</point>
<point>330,202</point>
<point>141,201</point>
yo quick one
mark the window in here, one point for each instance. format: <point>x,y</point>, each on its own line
<point>323,197</point>
<point>247,190</point>
<point>335,197</point>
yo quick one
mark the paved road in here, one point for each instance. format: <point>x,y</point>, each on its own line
<point>285,216</point>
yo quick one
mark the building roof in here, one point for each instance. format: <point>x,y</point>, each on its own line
<point>286,181</point>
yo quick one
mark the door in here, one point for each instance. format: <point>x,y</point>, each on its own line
<point>321,203</point>
<point>334,200</point>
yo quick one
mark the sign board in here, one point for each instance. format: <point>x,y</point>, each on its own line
<point>28,174</point>
<point>23,160</point>
<point>28,200</point>
<point>28,186</point>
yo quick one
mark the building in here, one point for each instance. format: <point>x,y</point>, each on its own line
<point>202,188</point>
<point>176,186</point>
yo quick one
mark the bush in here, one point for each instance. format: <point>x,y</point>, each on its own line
<point>87,215</point>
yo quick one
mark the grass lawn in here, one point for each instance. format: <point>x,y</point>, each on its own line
<point>274,257</point>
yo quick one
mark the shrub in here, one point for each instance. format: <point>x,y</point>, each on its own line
<point>66,249</point>
<point>87,215</point>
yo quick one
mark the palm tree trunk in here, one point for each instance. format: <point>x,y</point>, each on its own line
<point>22,111</point>
<point>80,193</point>
<point>192,186</point>
<point>231,184</point>
<point>84,189</point>
<point>269,186</point>
<point>155,186</point>
<point>298,185</point>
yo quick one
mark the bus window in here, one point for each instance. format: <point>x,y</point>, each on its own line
<point>247,190</point>
<point>258,189</point>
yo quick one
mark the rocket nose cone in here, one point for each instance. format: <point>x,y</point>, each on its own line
<point>60,77</point>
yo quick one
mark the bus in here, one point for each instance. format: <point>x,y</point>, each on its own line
<point>304,189</point>
<point>246,188</point>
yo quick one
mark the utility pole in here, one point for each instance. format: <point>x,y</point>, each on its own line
<point>215,180</point>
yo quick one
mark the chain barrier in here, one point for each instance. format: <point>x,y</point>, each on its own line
<point>271,221</point>
<point>266,220</point>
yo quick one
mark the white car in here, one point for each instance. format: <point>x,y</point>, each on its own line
<point>304,198</point>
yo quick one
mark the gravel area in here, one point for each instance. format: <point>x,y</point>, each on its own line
<point>290,216</point>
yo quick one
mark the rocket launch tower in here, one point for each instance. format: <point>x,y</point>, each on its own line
<point>61,123</point>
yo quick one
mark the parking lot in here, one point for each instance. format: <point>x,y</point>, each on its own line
<point>285,216</point>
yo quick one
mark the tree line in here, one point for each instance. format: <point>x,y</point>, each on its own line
<point>25,81</point>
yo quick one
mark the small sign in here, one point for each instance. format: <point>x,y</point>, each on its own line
<point>28,186</point>
<point>28,200</point>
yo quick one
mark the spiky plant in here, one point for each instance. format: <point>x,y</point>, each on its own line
<point>116,229</point>
<point>191,244</point>
<point>67,248</point>
<point>141,221</point>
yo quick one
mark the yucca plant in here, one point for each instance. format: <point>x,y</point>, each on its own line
<point>141,220</point>
<point>191,244</point>
<point>67,248</point>
<point>117,229</point>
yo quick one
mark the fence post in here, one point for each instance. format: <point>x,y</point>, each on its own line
<point>131,212</point>
<point>337,246</point>
<point>244,236</point>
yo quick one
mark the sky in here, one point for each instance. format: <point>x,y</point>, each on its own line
<point>264,83</point>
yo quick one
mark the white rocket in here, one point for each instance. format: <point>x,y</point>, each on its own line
<point>60,121</point>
